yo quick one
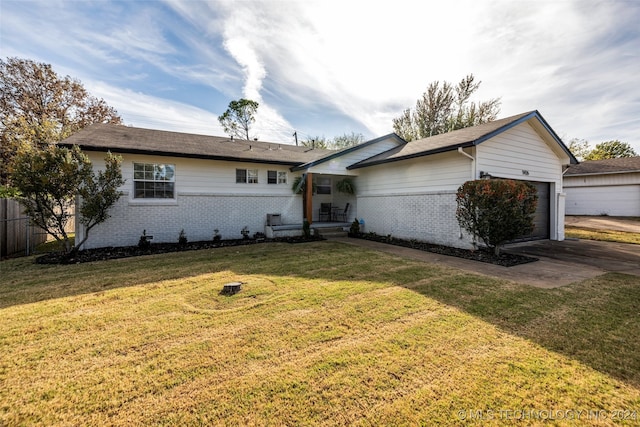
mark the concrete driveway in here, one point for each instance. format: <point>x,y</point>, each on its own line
<point>603,223</point>
<point>586,254</point>
<point>560,263</point>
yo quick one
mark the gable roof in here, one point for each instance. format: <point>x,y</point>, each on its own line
<point>606,166</point>
<point>466,137</point>
<point>349,150</point>
<point>125,139</point>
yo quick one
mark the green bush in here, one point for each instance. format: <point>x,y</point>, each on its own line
<point>182,238</point>
<point>496,210</point>
<point>355,227</point>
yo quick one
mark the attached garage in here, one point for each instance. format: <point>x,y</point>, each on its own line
<point>410,191</point>
<point>541,220</point>
<point>604,187</point>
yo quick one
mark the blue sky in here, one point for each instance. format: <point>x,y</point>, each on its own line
<point>328,67</point>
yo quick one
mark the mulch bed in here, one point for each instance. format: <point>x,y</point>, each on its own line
<point>483,255</point>
<point>102,254</point>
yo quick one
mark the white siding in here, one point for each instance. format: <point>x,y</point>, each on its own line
<point>339,164</point>
<point>520,153</point>
<point>207,198</point>
<point>439,172</point>
<point>197,176</point>
<point>415,199</point>
<point>601,180</point>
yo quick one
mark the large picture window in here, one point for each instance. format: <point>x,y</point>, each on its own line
<point>153,181</point>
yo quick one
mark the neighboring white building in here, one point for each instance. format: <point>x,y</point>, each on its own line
<point>604,187</point>
<point>196,183</point>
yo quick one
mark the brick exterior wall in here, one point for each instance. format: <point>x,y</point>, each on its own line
<point>198,215</point>
<point>428,217</point>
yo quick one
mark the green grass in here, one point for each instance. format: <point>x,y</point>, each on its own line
<point>321,334</point>
<point>54,245</point>
<point>603,235</point>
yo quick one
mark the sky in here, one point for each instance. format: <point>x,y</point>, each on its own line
<point>328,68</point>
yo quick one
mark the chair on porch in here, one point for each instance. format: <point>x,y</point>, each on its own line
<point>325,212</point>
<point>342,216</point>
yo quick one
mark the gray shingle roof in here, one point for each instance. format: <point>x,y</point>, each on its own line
<point>593,167</point>
<point>125,139</point>
<point>452,140</point>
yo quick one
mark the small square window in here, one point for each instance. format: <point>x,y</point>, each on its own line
<point>282,177</point>
<point>272,177</point>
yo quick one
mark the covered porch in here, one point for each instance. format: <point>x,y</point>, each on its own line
<point>329,200</point>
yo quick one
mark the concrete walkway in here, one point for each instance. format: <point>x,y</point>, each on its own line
<point>560,263</point>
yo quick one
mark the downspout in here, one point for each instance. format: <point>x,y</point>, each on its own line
<point>473,176</point>
<point>473,162</point>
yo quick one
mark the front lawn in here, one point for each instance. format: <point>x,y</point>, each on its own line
<point>321,334</point>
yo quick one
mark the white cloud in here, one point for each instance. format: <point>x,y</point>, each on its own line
<point>313,61</point>
<point>140,110</point>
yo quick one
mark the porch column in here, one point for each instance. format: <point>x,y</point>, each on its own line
<point>308,198</point>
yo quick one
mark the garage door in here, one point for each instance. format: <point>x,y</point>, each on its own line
<point>542,216</point>
<point>614,200</point>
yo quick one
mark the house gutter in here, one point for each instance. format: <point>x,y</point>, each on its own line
<point>473,162</point>
<point>601,173</point>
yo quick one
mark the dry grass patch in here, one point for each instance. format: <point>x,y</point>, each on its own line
<point>603,235</point>
<point>317,336</point>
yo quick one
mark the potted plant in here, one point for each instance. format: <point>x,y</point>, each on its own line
<point>299,185</point>
<point>346,186</point>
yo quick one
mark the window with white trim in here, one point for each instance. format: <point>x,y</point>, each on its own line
<point>153,181</point>
<point>276,177</point>
<point>246,176</point>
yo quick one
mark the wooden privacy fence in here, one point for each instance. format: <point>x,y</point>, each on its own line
<point>17,235</point>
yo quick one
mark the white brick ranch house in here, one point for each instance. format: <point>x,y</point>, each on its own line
<point>196,183</point>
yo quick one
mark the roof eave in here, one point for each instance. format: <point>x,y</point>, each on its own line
<point>347,151</point>
<point>181,155</point>
<point>602,173</point>
<point>365,164</point>
<point>477,141</point>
